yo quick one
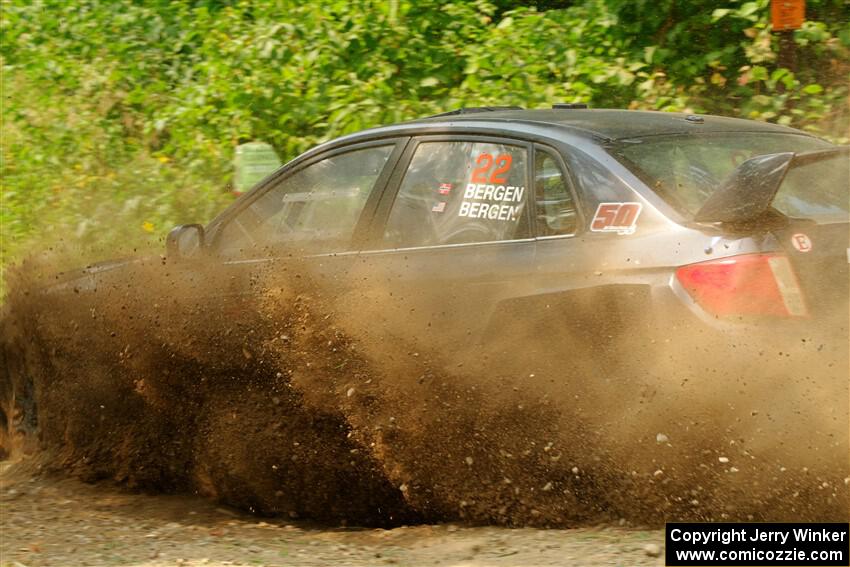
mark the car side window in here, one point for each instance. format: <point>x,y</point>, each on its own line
<point>458,192</point>
<point>315,209</point>
<point>555,208</point>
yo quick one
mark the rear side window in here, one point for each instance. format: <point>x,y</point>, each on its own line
<point>458,193</point>
<point>555,207</point>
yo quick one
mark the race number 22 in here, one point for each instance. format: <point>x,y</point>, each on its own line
<point>616,217</point>
<point>485,162</point>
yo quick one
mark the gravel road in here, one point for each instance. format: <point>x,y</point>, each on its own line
<point>50,520</point>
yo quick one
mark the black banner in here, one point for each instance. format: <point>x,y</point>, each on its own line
<point>765,545</point>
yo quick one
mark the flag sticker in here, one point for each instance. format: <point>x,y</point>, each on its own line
<point>439,207</point>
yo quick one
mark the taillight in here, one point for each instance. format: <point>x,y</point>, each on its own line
<point>751,284</point>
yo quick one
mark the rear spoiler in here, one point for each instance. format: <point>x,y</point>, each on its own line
<point>749,191</point>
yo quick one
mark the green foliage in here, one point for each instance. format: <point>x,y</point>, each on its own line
<point>120,117</point>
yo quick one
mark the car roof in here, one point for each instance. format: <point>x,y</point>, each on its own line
<point>611,124</point>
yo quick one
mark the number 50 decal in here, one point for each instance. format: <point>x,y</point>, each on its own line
<point>616,217</point>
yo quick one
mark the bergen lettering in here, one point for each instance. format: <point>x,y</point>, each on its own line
<point>502,209</point>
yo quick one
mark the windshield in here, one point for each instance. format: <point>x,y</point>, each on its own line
<point>685,170</point>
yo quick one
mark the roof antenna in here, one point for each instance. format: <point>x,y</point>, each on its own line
<point>475,110</point>
<point>569,105</point>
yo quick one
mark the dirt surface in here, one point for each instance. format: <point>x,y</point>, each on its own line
<point>52,520</point>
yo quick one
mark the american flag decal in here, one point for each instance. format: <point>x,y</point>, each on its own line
<point>439,207</point>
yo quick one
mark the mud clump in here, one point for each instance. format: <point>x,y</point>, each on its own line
<point>281,395</point>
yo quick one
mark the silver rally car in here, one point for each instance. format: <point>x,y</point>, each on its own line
<point>488,222</point>
<point>582,218</point>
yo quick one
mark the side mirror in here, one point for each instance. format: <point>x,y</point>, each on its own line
<point>185,241</point>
